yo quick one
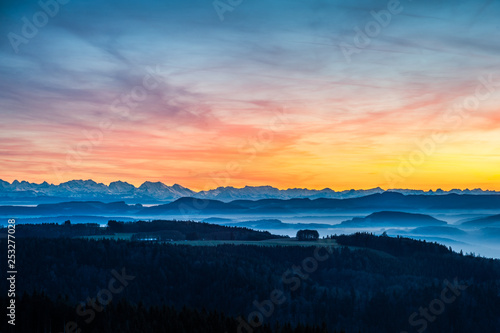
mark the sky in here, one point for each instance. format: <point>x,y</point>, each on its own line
<point>312,94</point>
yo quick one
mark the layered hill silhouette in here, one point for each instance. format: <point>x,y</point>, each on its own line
<point>387,201</point>
<point>393,219</point>
<point>489,221</point>
<point>375,202</point>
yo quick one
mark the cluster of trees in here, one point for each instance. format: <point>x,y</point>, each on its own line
<point>55,230</point>
<point>162,230</point>
<point>304,235</point>
<point>187,230</point>
<point>391,245</point>
<point>370,284</point>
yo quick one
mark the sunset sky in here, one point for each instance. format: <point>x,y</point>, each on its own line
<point>282,93</point>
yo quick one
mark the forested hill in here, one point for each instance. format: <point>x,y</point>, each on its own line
<point>160,230</point>
<point>377,284</point>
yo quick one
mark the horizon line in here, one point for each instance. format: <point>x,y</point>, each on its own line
<point>255,186</point>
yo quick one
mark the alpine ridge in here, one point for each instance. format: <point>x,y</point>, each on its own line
<point>158,192</point>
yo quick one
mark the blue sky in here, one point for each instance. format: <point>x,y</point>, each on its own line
<point>349,120</point>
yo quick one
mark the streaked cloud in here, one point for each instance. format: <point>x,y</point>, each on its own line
<point>223,85</point>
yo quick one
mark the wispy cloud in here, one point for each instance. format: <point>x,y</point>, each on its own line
<point>222,83</point>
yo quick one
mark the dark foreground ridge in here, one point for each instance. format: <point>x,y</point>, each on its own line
<point>357,283</point>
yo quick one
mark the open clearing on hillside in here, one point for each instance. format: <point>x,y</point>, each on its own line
<point>268,242</point>
<point>114,237</point>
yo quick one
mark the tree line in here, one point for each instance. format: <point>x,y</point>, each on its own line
<point>367,284</point>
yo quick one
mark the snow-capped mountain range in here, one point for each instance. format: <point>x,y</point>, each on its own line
<point>154,192</point>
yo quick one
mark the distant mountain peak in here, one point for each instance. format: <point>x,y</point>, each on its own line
<point>157,192</point>
<point>148,184</point>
